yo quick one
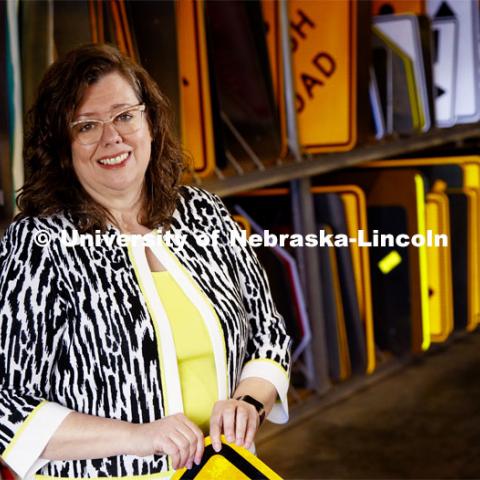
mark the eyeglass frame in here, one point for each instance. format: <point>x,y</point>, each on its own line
<point>140,107</point>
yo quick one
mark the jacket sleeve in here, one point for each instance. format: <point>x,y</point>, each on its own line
<point>268,350</point>
<point>32,320</point>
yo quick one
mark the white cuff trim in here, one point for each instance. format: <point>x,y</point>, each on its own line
<point>275,374</point>
<point>23,456</point>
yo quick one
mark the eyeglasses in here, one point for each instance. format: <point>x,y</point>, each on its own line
<point>88,132</point>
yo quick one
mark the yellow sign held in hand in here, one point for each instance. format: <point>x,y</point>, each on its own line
<point>232,462</point>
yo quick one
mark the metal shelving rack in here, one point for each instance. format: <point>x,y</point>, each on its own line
<point>298,170</point>
<point>309,166</point>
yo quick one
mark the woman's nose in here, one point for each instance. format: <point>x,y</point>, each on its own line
<point>110,134</point>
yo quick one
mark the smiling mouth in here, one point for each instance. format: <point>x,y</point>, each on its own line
<point>114,160</point>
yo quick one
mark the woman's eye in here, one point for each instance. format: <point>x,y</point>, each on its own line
<point>87,127</point>
<point>124,117</point>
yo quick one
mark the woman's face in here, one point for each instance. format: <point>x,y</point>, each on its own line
<point>116,164</point>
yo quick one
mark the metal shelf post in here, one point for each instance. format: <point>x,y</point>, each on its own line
<point>304,222</point>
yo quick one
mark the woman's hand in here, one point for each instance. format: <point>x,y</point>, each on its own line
<point>238,420</point>
<point>176,436</point>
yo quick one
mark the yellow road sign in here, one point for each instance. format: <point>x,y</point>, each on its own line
<point>196,115</point>
<point>439,268</point>
<point>470,166</point>
<point>323,35</point>
<point>398,6</point>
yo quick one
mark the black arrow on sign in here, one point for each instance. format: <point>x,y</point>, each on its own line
<point>439,91</point>
<point>444,11</point>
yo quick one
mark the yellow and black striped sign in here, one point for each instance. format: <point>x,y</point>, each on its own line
<point>232,462</point>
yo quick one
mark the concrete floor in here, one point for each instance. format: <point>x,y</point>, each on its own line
<point>421,423</point>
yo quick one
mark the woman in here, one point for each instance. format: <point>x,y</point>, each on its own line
<point>116,360</point>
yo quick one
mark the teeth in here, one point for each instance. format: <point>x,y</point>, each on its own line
<point>114,160</point>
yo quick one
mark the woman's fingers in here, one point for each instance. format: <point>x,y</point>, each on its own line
<point>246,424</point>
<point>199,440</point>
<point>216,427</point>
<point>179,438</point>
<point>252,427</point>
<point>183,445</point>
<point>242,420</point>
<point>195,440</point>
<point>237,419</point>
<point>170,448</point>
<point>200,450</point>
<point>188,431</point>
<point>228,419</point>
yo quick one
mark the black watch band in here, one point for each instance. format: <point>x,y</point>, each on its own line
<point>259,407</point>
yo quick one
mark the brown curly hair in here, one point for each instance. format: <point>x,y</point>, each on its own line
<point>52,185</point>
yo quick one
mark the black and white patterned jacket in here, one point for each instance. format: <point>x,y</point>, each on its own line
<point>77,333</point>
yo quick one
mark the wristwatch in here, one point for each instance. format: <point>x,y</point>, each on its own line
<point>259,407</point>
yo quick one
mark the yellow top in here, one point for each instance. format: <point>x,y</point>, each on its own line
<point>196,363</point>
